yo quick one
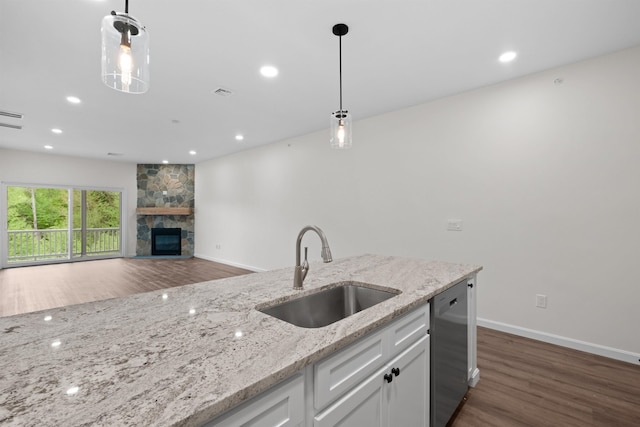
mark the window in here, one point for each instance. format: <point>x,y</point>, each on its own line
<point>53,224</point>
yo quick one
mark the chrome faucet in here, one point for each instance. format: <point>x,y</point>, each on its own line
<point>302,269</point>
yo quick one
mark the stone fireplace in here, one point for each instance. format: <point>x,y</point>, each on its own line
<point>165,201</point>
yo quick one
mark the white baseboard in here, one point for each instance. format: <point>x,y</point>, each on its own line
<point>235,264</point>
<point>475,377</point>
<point>613,353</point>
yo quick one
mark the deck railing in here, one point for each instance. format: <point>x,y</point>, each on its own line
<point>37,245</point>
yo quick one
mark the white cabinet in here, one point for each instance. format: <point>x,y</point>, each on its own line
<point>344,370</point>
<point>395,395</point>
<point>407,395</point>
<point>361,406</point>
<point>407,329</point>
<point>380,381</point>
<point>280,406</point>
<point>473,375</point>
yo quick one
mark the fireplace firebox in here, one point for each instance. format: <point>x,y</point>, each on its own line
<point>166,241</point>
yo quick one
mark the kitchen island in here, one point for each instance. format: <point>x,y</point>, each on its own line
<point>183,356</point>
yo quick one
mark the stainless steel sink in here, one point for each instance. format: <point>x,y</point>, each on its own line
<point>329,305</point>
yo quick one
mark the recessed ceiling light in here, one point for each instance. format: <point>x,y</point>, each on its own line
<point>49,147</point>
<point>507,57</point>
<point>165,162</point>
<point>193,152</point>
<point>239,137</point>
<point>56,130</point>
<point>73,99</point>
<point>269,71</point>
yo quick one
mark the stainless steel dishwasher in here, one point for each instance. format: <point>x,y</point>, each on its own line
<point>449,382</point>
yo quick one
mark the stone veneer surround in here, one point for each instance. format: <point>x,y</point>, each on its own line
<point>178,183</point>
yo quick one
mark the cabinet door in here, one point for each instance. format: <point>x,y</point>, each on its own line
<point>361,407</point>
<point>407,395</point>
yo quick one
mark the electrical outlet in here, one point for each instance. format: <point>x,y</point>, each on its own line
<point>218,246</point>
<point>541,301</point>
<point>454,225</point>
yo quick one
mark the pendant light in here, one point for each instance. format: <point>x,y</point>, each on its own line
<point>341,119</point>
<point>125,52</point>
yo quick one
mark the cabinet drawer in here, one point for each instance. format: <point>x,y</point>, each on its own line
<point>347,368</point>
<point>280,406</point>
<point>408,329</point>
<point>361,407</point>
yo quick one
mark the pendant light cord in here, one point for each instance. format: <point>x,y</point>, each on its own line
<point>340,62</point>
<point>126,6</point>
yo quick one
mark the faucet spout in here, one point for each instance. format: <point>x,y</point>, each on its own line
<point>301,270</point>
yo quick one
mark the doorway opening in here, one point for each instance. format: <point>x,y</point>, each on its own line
<point>55,224</point>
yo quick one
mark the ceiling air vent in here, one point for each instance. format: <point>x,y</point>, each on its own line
<point>7,125</point>
<point>10,114</point>
<point>13,116</point>
<point>222,92</point>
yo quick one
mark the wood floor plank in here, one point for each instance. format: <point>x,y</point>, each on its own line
<point>524,382</point>
<point>28,289</point>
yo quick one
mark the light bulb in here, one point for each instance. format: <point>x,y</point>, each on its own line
<point>341,133</point>
<point>125,63</point>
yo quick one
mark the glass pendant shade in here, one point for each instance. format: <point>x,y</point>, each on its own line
<point>125,54</point>
<point>341,129</point>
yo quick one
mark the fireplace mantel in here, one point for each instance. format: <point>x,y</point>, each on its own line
<point>164,211</point>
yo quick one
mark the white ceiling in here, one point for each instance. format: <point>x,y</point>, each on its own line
<point>398,53</point>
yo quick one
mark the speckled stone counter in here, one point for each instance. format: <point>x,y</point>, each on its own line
<point>182,356</point>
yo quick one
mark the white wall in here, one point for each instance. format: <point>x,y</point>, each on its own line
<point>545,178</point>
<point>48,169</point>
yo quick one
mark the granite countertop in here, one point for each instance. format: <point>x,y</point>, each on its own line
<point>182,356</point>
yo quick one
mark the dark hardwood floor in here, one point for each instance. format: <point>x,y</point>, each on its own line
<point>27,289</point>
<point>523,382</point>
